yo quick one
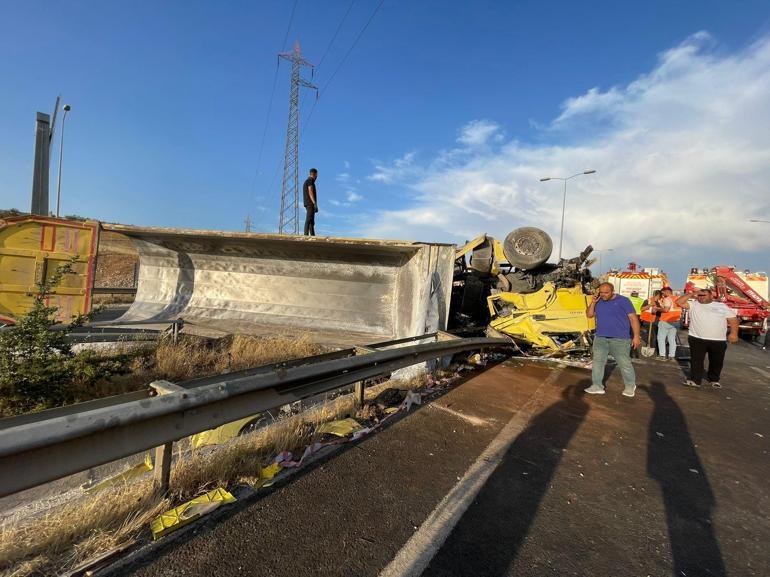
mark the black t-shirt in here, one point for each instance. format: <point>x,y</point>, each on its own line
<point>306,195</point>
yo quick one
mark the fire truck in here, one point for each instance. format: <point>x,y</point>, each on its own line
<point>645,281</point>
<point>745,292</point>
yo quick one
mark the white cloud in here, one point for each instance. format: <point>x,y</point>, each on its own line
<point>399,169</point>
<point>353,196</point>
<point>479,132</point>
<point>342,177</point>
<point>682,157</point>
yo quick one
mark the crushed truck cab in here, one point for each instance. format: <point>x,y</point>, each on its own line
<point>541,306</point>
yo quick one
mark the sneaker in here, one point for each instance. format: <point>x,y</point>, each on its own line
<point>595,390</point>
<point>716,384</point>
<point>690,383</point>
<point>629,391</point>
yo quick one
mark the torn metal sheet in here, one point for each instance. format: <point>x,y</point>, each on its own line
<point>337,290</point>
<point>178,517</point>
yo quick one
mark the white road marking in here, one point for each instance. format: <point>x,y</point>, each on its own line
<point>478,421</point>
<point>415,555</point>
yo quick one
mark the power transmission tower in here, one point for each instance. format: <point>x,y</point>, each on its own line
<point>247,223</point>
<point>289,221</point>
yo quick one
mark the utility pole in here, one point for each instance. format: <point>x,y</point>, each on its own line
<point>247,223</point>
<point>289,218</point>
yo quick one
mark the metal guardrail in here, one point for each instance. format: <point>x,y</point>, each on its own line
<point>34,451</point>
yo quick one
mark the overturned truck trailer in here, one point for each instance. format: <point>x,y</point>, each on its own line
<point>339,291</point>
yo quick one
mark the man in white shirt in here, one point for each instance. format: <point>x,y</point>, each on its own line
<point>709,320</point>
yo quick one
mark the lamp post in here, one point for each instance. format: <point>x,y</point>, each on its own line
<point>756,220</point>
<point>600,251</point>
<point>564,200</point>
<point>66,109</point>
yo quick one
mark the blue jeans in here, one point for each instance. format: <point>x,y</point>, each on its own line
<point>620,349</point>
<point>666,333</point>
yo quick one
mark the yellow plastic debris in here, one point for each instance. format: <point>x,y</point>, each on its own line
<point>133,472</point>
<point>266,475</point>
<point>221,434</point>
<point>194,509</point>
<point>341,428</point>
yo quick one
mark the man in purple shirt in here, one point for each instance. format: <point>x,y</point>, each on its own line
<point>616,321</point>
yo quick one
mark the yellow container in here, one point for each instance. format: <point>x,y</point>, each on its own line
<point>31,249</point>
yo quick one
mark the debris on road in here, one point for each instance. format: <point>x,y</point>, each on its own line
<point>222,434</point>
<point>188,512</point>
<point>132,473</point>
<point>341,428</point>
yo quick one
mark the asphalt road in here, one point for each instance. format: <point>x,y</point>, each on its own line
<point>671,482</point>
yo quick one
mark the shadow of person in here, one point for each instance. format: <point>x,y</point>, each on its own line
<point>488,537</point>
<point>673,462</point>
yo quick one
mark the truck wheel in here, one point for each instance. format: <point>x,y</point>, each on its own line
<point>527,247</point>
<point>481,258</point>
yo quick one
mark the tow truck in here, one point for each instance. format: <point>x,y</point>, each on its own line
<point>733,289</point>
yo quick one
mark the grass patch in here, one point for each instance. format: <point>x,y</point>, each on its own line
<point>94,375</point>
<point>77,531</point>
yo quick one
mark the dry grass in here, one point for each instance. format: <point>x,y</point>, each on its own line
<point>192,358</point>
<point>78,530</point>
<point>85,528</point>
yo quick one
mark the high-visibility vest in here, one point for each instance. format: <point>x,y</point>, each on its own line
<point>673,314</point>
<point>637,302</point>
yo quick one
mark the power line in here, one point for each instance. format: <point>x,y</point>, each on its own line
<point>344,58</point>
<point>334,37</point>
<point>288,28</point>
<point>352,46</point>
<point>272,94</point>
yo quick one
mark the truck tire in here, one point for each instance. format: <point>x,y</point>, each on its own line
<point>482,257</point>
<point>527,247</point>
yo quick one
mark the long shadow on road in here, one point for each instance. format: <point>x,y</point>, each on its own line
<point>488,537</point>
<point>673,462</point>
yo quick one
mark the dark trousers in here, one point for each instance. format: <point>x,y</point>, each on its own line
<point>715,350</point>
<point>310,221</point>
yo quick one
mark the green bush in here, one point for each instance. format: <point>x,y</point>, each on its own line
<point>38,369</point>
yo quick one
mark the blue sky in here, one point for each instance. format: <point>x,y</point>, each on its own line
<point>436,127</point>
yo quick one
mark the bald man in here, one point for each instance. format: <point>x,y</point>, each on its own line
<point>617,332</point>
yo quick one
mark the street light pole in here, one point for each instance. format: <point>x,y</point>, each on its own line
<point>755,220</point>
<point>66,109</point>
<point>564,200</point>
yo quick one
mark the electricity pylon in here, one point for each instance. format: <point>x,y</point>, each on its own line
<point>289,220</point>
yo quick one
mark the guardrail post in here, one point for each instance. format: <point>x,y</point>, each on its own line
<point>163,454</point>
<point>360,386</point>
<point>162,475</point>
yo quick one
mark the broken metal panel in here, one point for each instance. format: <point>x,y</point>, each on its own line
<point>338,290</point>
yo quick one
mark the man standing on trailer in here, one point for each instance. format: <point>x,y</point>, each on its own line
<point>310,198</point>
<point>709,320</point>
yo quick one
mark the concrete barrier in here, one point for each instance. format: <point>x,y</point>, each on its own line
<point>339,291</point>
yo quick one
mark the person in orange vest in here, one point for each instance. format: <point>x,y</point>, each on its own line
<point>651,316</point>
<point>668,324</point>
